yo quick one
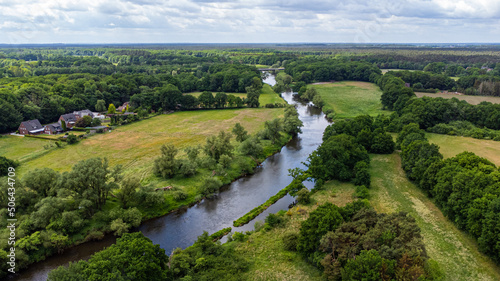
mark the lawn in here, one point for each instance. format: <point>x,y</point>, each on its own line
<point>267,96</point>
<point>453,145</point>
<point>351,98</point>
<point>454,251</point>
<point>469,99</point>
<point>136,145</point>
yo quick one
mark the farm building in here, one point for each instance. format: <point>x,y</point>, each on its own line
<point>53,129</point>
<point>31,127</point>
<point>70,119</point>
<point>82,113</point>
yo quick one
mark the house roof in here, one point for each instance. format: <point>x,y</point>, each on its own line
<point>33,126</point>
<point>55,127</point>
<point>84,112</point>
<point>70,117</point>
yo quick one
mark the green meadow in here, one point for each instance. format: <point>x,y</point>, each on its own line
<point>351,98</point>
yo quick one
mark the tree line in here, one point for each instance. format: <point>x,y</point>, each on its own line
<point>465,187</point>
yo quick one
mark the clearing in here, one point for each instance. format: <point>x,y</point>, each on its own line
<point>351,98</point>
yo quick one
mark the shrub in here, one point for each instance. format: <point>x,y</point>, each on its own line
<point>304,196</point>
<point>361,192</point>
<point>290,240</point>
<point>238,236</point>
<point>179,195</point>
<point>71,139</point>
<point>274,220</point>
<point>210,186</point>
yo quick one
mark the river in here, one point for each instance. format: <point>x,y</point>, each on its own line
<point>181,228</point>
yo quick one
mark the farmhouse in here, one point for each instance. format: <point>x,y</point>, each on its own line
<point>81,113</point>
<point>31,127</point>
<point>70,119</point>
<point>122,107</point>
<point>53,129</point>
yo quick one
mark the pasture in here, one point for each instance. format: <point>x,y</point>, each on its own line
<point>351,98</point>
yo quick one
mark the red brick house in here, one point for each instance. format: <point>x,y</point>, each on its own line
<point>70,119</point>
<point>31,127</point>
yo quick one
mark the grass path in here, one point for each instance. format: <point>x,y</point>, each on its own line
<point>455,252</point>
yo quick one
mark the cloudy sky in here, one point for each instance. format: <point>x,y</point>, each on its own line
<point>257,21</point>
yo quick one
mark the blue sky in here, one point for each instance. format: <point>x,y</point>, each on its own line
<point>259,21</point>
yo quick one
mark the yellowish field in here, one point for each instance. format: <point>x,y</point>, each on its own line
<point>454,251</point>
<point>469,99</point>
<point>137,144</point>
<point>453,145</point>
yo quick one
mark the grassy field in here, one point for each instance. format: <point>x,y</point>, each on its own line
<point>350,98</point>
<point>469,99</point>
<point>453,145</point>
<point>269,260</point>
<point>267,96</point>
<point>137,144</point>
<point>454,251</point>
<point>22,149</point>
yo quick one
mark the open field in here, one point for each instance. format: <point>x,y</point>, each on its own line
<point>137,144</point>
<point>351,98</point>
<point>454,251</point>
<point>469,99</point>
<point>21,148</point>
<point>453,145</point>
<point>269,260</point>
<point>267,95</point>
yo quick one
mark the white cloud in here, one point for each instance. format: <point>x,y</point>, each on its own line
<point>108,21</point>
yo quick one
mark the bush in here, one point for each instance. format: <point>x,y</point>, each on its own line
<point>273,220</point>
<point>362,192</point>
<point>290,240</point>
<point>304,196</point>
<point>179,195</point>
<point>71,139</point>
<point>210,186</point>
<point>225,161</point>
<point>238,236</point>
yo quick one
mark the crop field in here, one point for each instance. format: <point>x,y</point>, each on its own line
<point>351,98</point>
<point>136,145</point>
<point>454,251</point>
<point>469,99</point>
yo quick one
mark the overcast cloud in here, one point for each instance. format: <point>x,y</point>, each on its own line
<point>260,21</point>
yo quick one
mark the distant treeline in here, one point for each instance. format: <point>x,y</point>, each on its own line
<point>47,97</point>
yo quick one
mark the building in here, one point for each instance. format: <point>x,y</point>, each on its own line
<point>122,107</point>
<point>53,129</point>
<point>31,127</point>
<point>84,112</point>
<point>99,115</point>
<point>70,119</point>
